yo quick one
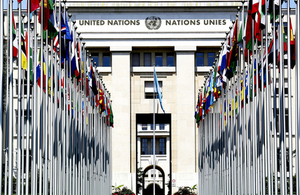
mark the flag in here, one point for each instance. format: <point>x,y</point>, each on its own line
<point>272,12</point>
<point>241,34</point>
<point>293,47</point>
<point>242,93</point>
<point>74,58</point>
<point>92,82</point>
<point>34,5</point>
<point>157,90</point>
<point>197,111</point>
<point>233,55</point>
<point>23,49</point>
<point>255,7</point>
<point>15,42</point>
<point>46,13</point>
<point>111,117</point>
<point>249,28</point>
<point>201,106</point>
<point>29,53</point>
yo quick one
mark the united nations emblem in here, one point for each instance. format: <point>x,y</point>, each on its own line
<point>153,22</point>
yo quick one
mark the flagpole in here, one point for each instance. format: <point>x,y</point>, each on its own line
<point>269,161</point>
<point>11,106</point>
<point>1,88</point>
<point>19,130</point>
<point>290,127</point>
<point>297,97</point>
<point>281,110</point>
<point>51,155</point>
<point>154,94</point>
<point>275,101</point>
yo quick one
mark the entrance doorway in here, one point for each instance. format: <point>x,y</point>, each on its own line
<point>148,176</point>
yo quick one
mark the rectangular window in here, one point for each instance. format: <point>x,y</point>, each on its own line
<point>144,146</point>
<point>144,127</point>
<point>199,59</point>
<point>135,59</point>
<point>210,58</point>
<point>149,89</point>
<point>286,115</point>
<point>161,126</point>
<point>23,87</point>
<point>95,57</point>
<point>106,60</point>
<point>170,59</point>
<point>158,59</point>
<point>147,59</point>
<point>152,127</point>
<point>162,146</point>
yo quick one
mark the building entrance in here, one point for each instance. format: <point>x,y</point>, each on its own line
<point>148,176</point>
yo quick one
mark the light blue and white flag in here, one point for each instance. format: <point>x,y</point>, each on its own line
<point>157,90</point>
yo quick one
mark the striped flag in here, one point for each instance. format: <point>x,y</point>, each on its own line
<point>23,49</point>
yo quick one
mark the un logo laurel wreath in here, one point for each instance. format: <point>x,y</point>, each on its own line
<point>153,22</point>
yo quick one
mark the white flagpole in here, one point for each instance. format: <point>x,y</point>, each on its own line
<point>1,92</point>
<point>297,75</point>
<point>19,127</point>
<point>51,154</point>
<point>274,125</point>
<point>11,106</point>
<point>290,126</point>
<point>282,110</point>
<point>154,130</point>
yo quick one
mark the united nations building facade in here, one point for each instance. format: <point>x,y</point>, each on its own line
<point>126,39</point>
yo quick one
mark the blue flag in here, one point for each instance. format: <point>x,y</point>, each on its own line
<point>157,90</point>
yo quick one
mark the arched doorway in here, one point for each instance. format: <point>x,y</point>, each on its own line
<point>160,178</point>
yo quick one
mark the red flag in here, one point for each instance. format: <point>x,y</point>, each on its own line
<point>46,14</point>
<point>34,5</point>
<point>293,47</point>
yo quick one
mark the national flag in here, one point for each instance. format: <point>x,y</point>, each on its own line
<point>29,53</point>
<point>34,5</point>
<point>233,55</point>
<point>246,86</point>
<point>15,42</point>
<point>111,117</point>
<point>242,93</point>
<point>272,11</point>
<point>74,58</point>
<point>241,34</point>
<point>46,14</point>
<point>23,49</point>
<point>248,33</point>
<point>92,82</point>
<point>293,47</point>
<point>197,112</point>
<point>201,106</point>
<point>255,7</point>
<point>157,90</point>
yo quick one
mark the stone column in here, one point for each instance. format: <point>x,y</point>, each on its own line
<point>121,133</point>
<point>186,154</point>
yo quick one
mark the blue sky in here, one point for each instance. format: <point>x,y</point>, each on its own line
<point>24,4</point>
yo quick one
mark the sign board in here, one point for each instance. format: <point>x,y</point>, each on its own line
<point>173,182</point>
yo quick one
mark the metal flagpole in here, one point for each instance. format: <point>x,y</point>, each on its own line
<point>267,110</point>
<point>59,164</point>
<point>45,134</point>
<point>34,130</point>
<point>281,110</point>
<point>1,87</point>
<point>41,128</point>
<point>51,118</point>
<point>154,130</point>
<point>274,125</point>
<point>11,106</point>
<point>19,130</point>
<point>290,127</point>
<point>29,119</point>
<point>297,75</point>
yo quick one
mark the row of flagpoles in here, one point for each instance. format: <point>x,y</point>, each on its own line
<point>247,111</point>
<point>61,99</point>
